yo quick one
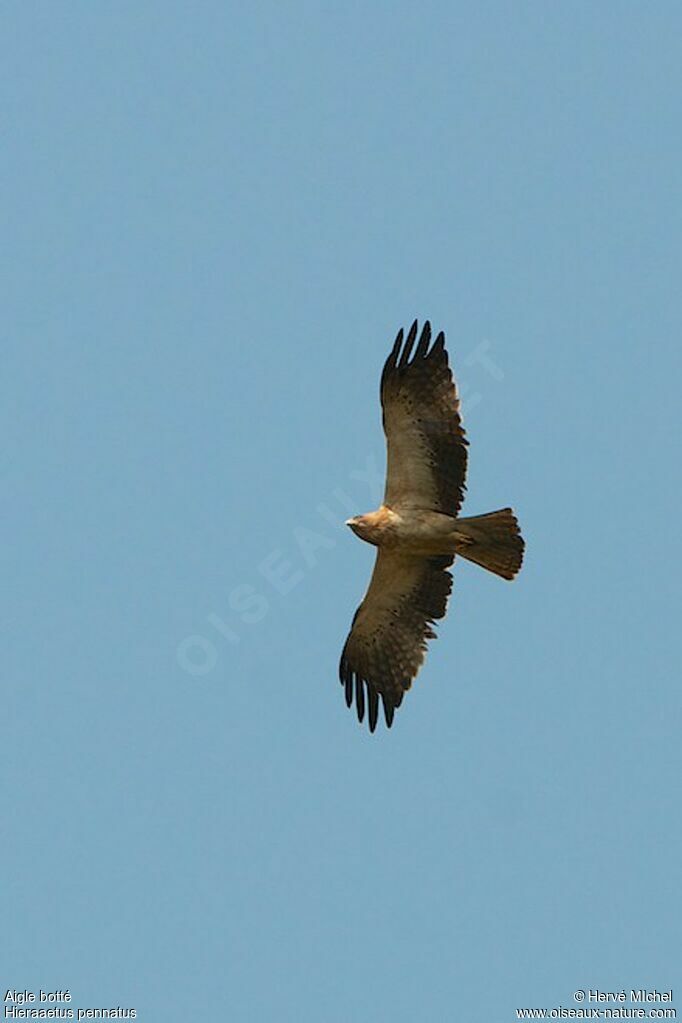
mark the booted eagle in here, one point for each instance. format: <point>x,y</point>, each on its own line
<point>417,530</point>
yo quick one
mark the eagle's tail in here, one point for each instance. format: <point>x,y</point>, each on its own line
<point>492,541</point>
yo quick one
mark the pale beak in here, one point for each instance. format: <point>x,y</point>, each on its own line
<point>350,522</point>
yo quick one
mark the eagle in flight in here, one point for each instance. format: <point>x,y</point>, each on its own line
<point>417,530</point>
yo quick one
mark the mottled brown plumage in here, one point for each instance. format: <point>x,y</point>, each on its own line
<point>427,449</point>
<point>417,529</point>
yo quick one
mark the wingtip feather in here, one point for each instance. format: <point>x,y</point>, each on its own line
<point>424,339</point>
<point>360,698</point>
<point>373,701</point>
<point>392,360</point>
<point>349,688</point>
<point>438,344</point>
<point>409,342</point>
<point>389,711</point>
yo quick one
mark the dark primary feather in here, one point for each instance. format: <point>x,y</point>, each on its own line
<point>427,447</point>
<point>404,358</point>
<point>387,641</point>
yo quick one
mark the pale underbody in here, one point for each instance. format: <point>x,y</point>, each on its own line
<point>412,531</point>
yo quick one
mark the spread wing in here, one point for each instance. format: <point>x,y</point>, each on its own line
<point>427,449</point>
<point>387,641</point>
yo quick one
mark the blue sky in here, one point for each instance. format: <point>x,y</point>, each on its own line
<point>216,217</point>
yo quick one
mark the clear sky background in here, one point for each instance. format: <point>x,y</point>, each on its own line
<point>216,217</point>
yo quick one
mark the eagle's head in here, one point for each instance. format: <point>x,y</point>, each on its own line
<point>359,525</point>
<point>370,527</point>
